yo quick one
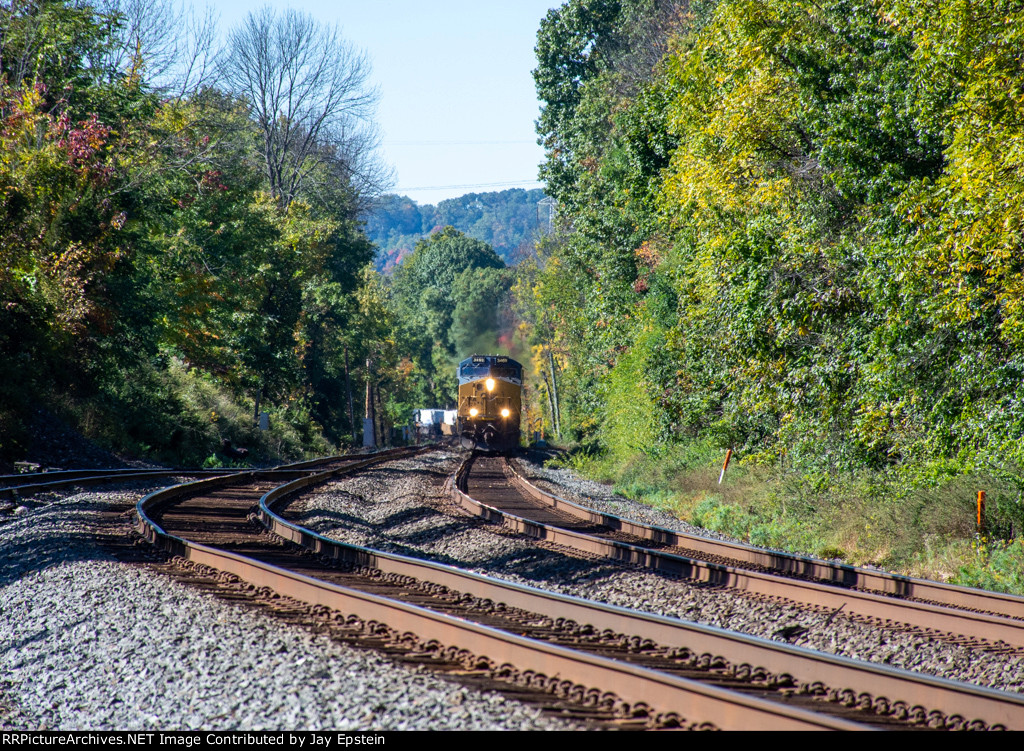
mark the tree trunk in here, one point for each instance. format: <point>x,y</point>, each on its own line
<point>382,428</point>
<point>551,403</point>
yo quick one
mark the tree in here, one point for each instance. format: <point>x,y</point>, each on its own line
<point>478,293</point>
<point>307,89</point>
<point>424,291</point>
<point>573,45</point>
<point>172,47</point>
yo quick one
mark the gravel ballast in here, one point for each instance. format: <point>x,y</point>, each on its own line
<point>91,643</point>
<point>403,508</point>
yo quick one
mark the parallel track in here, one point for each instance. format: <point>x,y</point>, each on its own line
<point>186,519</point>
<point>772,685</point>
<point>787,671</point>
<point>29,485</point>
<point>486,486</point>
<point>25,485</point>
<point>798,566</point>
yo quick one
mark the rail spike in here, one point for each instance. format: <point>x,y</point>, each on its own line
<point>524,677</point>
<point>918,715</point>
<point>538,680</point>
<point>551,685</point>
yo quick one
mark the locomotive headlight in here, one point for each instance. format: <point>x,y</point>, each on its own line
<point>473,412</point>
<point>505,412</point>
<point>490,384</point>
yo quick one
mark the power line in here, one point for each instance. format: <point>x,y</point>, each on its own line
<point>475,185</point>
<point>454,143</point>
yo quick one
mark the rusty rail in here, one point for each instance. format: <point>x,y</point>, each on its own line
<point>631,683</point>
<point>880,684</point>
<point>993,628</point>
<point>831,572</point>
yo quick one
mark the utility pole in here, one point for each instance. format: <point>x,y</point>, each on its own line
<point>351,406</point>
<point>369,439</point>
<point>554,394</point>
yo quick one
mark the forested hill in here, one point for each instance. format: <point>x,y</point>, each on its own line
<point>505,220</point>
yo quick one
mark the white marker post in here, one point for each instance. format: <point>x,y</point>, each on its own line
<point>728,456</point>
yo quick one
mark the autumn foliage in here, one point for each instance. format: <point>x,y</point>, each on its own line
<point>150,282</point>
<point>795,230</point>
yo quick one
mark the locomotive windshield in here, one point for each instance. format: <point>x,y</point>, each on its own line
<point>496,366</point>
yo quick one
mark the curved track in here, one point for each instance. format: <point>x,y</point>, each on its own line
<point>24,486</point>
<point>28,484</point>
<point>661,668</point>
<point>748,556</point>
<point>217,511</point>
<point>488,486</point>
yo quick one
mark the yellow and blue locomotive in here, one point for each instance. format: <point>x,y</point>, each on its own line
<point>490,402</point>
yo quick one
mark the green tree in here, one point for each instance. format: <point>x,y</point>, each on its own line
<point>424,290</point>
<point>142,252</point>
<point>478,293</point>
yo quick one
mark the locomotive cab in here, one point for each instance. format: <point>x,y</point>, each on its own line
<point>490,402</point>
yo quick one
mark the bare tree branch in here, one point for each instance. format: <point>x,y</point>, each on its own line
<point>308,91</point>
<point>174,48</point>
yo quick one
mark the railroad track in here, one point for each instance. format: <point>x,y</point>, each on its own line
<point>798,566</point>
<point>16,487</point>
<point>490,488</point>
<point>664,671</point>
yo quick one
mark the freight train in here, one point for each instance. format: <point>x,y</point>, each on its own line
<point>490,402</point>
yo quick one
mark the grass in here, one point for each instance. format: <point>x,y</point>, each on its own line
<point>918,520</point>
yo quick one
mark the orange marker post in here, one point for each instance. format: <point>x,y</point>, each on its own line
<point>981,511</point>
<point>728,456</point>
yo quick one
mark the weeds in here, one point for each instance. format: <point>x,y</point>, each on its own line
<point>918,520</point>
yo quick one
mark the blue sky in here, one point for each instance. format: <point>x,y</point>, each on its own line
<point>457,105</point>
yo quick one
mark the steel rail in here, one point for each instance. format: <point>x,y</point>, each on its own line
<point>158,498</point>
<point>993,628</point>
<point>951,698</point>
<point>831,572</point>
<point>83,477</point>
<point>633,684</point>
<point>71,474</point>
<point>28,489</point>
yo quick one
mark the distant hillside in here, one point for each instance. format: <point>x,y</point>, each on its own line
<point>507,220</point>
